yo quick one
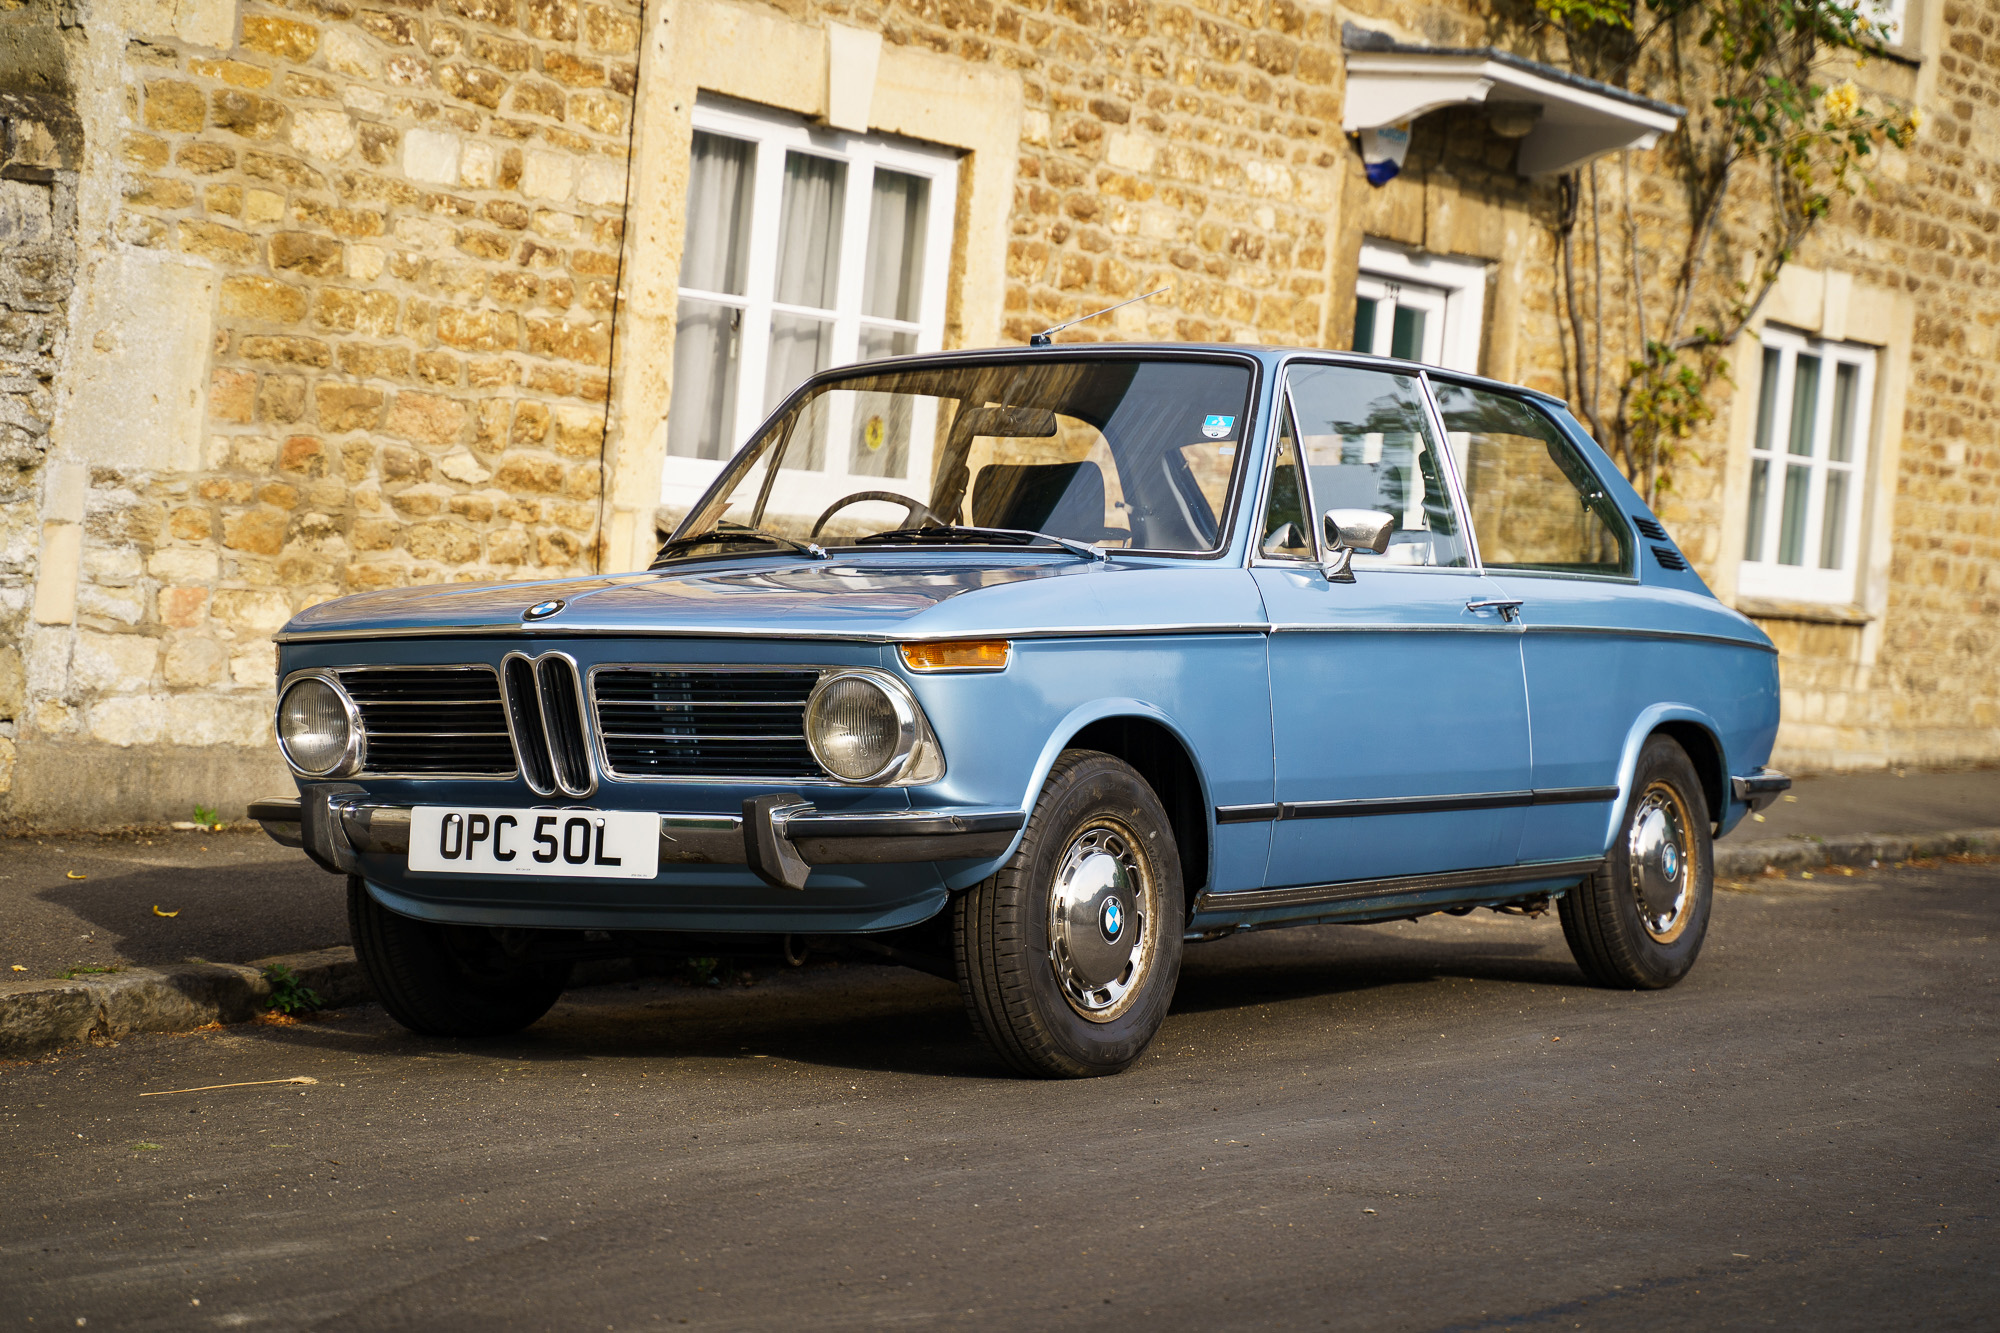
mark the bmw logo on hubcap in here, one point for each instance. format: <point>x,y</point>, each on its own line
<point>1670,860</point>
<point>1112,919</point>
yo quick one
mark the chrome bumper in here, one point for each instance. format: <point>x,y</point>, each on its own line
<point>779,836</point>
<point>1760,788</point>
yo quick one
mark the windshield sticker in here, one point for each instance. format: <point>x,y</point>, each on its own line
<point>1216,428</point>
<point>872,433</point>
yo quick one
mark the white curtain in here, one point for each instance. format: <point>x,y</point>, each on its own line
<point>809,225</point>
<point>707,338</point>
<point>897,215</point>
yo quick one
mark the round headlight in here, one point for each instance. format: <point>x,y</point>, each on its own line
<point>314,727</point>
<point>859,729</point>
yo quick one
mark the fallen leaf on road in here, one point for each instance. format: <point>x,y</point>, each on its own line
<point>253,1083</point>
<point>73,875</point>
<point>19,968</point>
<point>158,912</point>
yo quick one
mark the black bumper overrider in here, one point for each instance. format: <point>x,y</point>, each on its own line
<point>779,836</point>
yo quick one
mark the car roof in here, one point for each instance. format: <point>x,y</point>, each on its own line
<point>1262,351</point>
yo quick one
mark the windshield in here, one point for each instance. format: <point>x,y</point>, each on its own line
<point>1111,451</point>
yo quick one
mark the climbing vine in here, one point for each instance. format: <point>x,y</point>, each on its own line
<point>1772,140</point>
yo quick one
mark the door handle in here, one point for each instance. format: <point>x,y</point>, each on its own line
<point>1508,607</point>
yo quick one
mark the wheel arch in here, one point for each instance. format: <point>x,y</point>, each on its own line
<point>1696,733</point>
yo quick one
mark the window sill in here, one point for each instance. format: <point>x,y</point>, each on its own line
<point>1816,613</point>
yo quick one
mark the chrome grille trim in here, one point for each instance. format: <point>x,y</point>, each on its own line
<point>691,722</point>
<point>404,734</point>
<point>547,715</point>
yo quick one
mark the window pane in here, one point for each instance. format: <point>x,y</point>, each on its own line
<point>1805,406</point>
<point>897,223</point>
<point>1792,525</point>
<point>1767,397</point>
<point>1760,496</point>
<point>809,230</point>
<point>1407,340</point>
<point>1285,531</point>
<point>717,252</point>
<point>1365,310</point>
<point>1366,442</point>
<point>1846,383</point>
<point>882,421</point>
<point>800,345</point>
<point>1535,502</point>
<point>706,341</point>
<point>1833,521</point>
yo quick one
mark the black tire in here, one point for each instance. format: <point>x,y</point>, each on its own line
<point>1030,973</point>
<point>1636,926</point>
<point>446,981</point>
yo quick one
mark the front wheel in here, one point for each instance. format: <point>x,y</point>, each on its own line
<point>447,981</point>
<point>1640,924</point>
<point>1068,955</point>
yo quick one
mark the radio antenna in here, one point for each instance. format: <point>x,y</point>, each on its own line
<point>1047,336</point>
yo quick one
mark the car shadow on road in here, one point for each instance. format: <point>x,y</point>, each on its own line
<point>882,1019</point>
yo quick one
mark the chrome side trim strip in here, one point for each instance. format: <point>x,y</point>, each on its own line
<point>1354,890</point>
<point>1413,805</point>
<point>1690,636</point>
<point>775,635</point>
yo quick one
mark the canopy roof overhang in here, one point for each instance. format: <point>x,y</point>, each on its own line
<point>1577,119</point>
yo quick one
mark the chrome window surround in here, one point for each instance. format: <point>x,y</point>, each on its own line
<point>923,761</point>
<point>361,769</point>
<point>592,768</point>
<point>351,758</point>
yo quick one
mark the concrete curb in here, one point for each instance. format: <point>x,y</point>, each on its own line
<point>37,1017</point>
<point>1736,861</point>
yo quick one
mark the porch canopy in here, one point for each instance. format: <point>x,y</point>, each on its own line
<point>1568,119</point>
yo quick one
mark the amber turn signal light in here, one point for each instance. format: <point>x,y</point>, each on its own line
<point>964,655</point>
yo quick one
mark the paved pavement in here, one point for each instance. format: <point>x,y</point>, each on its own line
<point>1431,1125</point>
<point>240,896</point>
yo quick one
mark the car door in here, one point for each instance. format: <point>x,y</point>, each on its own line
<point>1399,709</point>
<point>1551,538</point>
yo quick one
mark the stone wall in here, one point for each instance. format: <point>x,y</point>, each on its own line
<point>345,321</point>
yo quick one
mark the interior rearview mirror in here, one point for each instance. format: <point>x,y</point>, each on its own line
<point>1351,530</point>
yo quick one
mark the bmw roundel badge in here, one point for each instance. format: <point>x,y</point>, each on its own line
<point>1113,919</point>
<point>543,610</point>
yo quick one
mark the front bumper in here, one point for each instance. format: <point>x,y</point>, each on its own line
<point>778,836</point>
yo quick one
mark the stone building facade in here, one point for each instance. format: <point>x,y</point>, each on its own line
<point>304,297</point>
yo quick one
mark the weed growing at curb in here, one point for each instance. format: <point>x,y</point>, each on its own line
<point>288,995</point>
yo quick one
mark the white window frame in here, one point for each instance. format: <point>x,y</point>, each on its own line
<point>775,133</point>
<point>1760,574</point>
<point>1451,291</point>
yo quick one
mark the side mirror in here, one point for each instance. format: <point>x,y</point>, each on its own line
<point>1351,530</point>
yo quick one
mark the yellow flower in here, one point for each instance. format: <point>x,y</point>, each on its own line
<point>1842,100</point>
<point>1917,119</point>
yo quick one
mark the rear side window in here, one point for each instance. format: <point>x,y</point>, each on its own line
<point>1536,505</point>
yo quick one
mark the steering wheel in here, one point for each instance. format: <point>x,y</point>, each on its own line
<point>911,508</point>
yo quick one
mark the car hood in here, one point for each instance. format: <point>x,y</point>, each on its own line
<point>868,597</point>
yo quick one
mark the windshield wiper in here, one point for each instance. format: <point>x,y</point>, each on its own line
<point>958,533</point>
<point>739,535</point>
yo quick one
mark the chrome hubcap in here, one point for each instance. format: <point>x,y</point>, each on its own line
<point>1102,929</point>
<point>1661,856</point>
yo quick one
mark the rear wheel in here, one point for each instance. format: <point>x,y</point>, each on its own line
<point>447,981</point>
<point>1640,924</point>
<point>1067,957</point>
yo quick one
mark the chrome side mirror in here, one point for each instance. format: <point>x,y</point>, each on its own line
<point>1351,530</point>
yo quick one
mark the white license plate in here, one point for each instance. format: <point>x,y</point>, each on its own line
<point>595,844</point>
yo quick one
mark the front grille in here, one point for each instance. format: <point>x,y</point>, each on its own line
<point>432,720</point>
<point>675,722</point>
<point>547,713</point>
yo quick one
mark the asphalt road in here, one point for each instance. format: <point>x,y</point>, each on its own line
<point>1432,1125</point>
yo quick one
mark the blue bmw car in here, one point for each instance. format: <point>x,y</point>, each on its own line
<point>1031,667</point>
